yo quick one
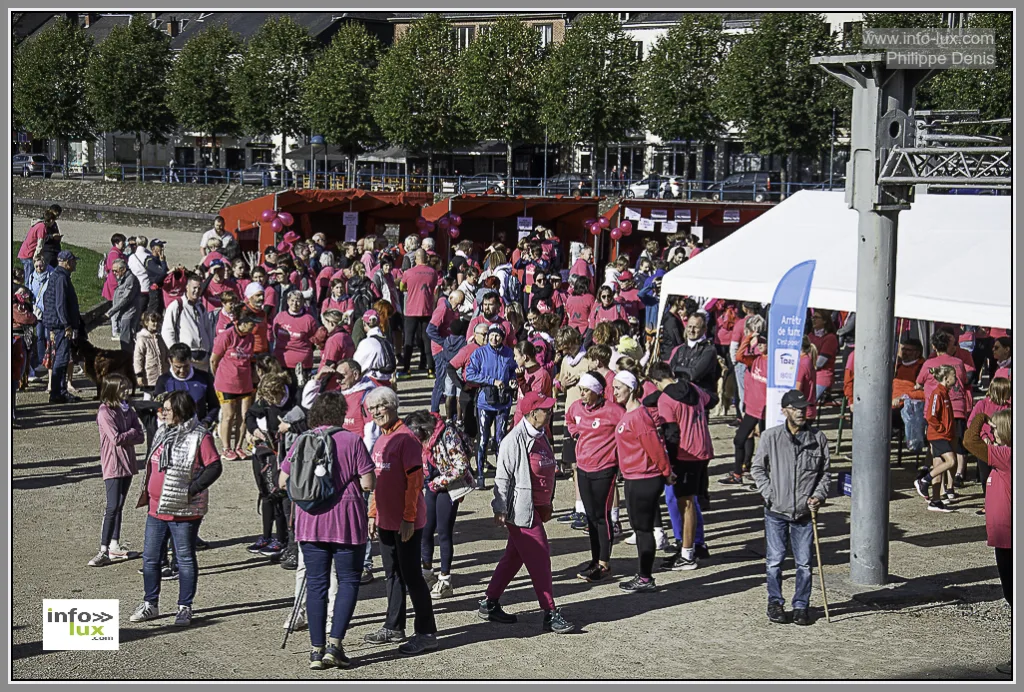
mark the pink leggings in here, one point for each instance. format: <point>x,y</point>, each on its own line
<point>529,547</point>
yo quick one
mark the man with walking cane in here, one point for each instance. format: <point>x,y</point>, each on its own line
<point>791,470</point>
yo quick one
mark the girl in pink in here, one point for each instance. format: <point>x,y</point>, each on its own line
<point>805,378</point>
<point>337,300</point>
<point>227,312</point>
<point>116,252</point>
<point>579,304</point>
<point>294,330</point>
<point>120,432</point>
<point>606,309</point>
<point>823,336</point>
<point>752,353</point>
<point>240,274</point>
<point>998,399</point>
<point>231,364</point>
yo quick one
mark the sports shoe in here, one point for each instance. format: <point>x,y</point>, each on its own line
<point>429,576</point>
<point>631,539</point>
<point>316,659</point>
<point>980,512</point>
<point>273,549</point>
<point>118,552</point>
<point>683,564</point>
<point>418,644</point>
<point>673,548</point>
<point>951,494</point>
<point>168,574</point>
<point>240,453</point>
<point>700,551</point>
<point>442,589</point>
<point>145,611</point>
<point>184,616</point>
<point>921,485</point>
<point>731,479</point>
<point>801,617</point>
<point>958,480</point>
<point>492,610</point>
<point>101,560</point>
<point>638,583</point>
<point>229,455</point>
<point>568,518</point>
<point>201,544</point>
<point>366,577</point>
<point>777,614</point>
<point>554,622</point>
<point>581,523</point>
<point>595,573</point>
<point>938,506</point>
<point>384,635</point>
<point>335,656</point>
<point>261,543</point>
<point>660,539</point>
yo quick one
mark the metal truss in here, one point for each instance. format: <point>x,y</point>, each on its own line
<point>984,167</point>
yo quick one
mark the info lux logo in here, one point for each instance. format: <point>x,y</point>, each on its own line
<point>90,624</point>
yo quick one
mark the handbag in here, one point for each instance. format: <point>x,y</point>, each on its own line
<point>460,487</point>
<point>50,354</point>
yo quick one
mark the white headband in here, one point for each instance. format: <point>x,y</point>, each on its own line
<point>588,381</point>
<point>252,289</point>
<point>626,378</point>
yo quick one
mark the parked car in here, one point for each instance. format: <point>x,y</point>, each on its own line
<point>755,186</point>
<point>649,188</point>
<point>569,184</point>
<point>27,165</point>
<point>485,183</point>
<point>261,174</point>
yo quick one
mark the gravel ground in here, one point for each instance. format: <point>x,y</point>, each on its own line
<point>705,624</point>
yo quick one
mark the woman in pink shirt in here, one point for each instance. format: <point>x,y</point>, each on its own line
<point>337,299</point>
<point>217,284</point>
<point>240,275</point>
<point>998,399</point>
<point>606,309</point>
<point>231,364</point>
<point>823,336</point>
<point>120,432</point>
<point>579,304</point>
<point>752,353</point>
<point>583,267</point>
<point>805,379</point>
<point>294,330</point>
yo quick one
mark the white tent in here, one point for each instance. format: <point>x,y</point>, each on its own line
<point>953,263</point>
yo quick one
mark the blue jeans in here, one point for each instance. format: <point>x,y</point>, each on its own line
<point>740,369</point>
<point>183,534</point>
<point>440,370</point>
<point>499,419</point>
<point>348,562</point>
<point>28,267</point>
<point>368,559</point>
<point>780,534</point>
<point>676,517</point>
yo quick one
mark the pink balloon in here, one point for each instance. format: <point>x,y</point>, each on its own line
<point>589,222</point>
<point>627,230</point>
<point>453,232</point>
<point>268,215</point>
<point>286,218</point>
<point>616,233</point>
<point>424,232</point>
<point>276,225</point>
<point>421,223</point>
<point>626,223</point>
<point>444,223</point>
<point>604,222</point>
<point>456,220</point>
<point>595,229</point>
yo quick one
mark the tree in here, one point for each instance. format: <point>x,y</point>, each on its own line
<point>338,88</point>
<point>199,83</point>
<point>585,85</point>
<point>415,101</point>
<point>772,92</point>
<point>498,85</point>
<point>905,20</point>
<point>267,85</point>
<point>679,81</point>
<point>126,84</point>
<point>49,84</point>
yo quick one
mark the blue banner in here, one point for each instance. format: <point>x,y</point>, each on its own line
<point>785,336</point>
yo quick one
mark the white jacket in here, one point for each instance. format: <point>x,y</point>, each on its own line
<point>195,326</point>
<point>137,266</point>
<point>370,355</point>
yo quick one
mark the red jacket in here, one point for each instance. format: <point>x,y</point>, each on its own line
<point>939,414</point>
<point>595,428</point>
<point>640,448</point>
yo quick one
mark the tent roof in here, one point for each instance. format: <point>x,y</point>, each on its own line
<point>954,257</point>
<point>332,152</point>
<point>544,210</point>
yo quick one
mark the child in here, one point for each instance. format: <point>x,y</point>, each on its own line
<point>120,431</point>
<point>939,417</point>
<point>998,399</point>
<point>263,421</point>
<point>150,352</point>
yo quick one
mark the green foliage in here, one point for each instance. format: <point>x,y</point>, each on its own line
<point>50,84</point>
<point>199,83</point>
<point>770,89</point>
<point>338,88</point>
<point>679,80</point>
<point>87,286</point>
<point>267,86</point>
<point>498,82</point>
<point>415,101</point>
<point>585,84</point>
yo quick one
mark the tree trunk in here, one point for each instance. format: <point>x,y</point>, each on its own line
<point>508,167</point>
<point>593,167</point>
<point>352,172</point>
<point>430,171</point>
<point>784,176</point>
<point>138,157</point>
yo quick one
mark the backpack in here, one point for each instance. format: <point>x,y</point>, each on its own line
<point>311,482</point>
<point>390,360</point>
<point>362,300</point>
<point>511,288</point>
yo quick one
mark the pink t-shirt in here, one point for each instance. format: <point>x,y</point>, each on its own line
<point>828,346</point>
<point>293,336</point>
<point>577,311</point>
<point>211,299</point>
<point>234,372</point>
<point>542,471</point>
<point>338,347</point>
<point>959,394</point>
<point>989,408</point>
<point>737,330</point>
<point>28,247</point>
<point>420,282</point>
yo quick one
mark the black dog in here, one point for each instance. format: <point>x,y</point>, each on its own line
<point>100,362</point>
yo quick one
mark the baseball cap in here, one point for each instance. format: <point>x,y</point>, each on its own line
<point>794,398</point>
<point>157,241</point>
<point>371,314</point>
<point>66,256</point>
<point>496,329</point>
<point>626,276</point>
<point>533,401</point>
<point>216,263</point>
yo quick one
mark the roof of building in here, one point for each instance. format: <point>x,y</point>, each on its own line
<point>403,17</point>
<point>246,24</point>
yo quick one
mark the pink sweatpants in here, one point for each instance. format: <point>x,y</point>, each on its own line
<point>529,547</point>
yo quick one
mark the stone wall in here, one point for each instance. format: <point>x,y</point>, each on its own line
<point>188,198</point>
<point>123,216</point>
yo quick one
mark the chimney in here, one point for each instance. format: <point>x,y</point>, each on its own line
<point>173,27</point>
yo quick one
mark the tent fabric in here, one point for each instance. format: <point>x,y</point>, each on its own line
<point>953,264</point>
<point>544,210</point>
<point>317,151</point>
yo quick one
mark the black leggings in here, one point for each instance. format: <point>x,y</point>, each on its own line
<point>642,498</point>
<point>117,491</point>
<point>983,471</point>
<point>1004,563</point>
<point>441,513</point>
<point>597,488</point>
<point>275,510</point>
<point>743,443</point>
<point>414,332</point>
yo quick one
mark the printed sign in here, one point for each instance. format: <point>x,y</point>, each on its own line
<point>659,214</point>
<point>350,233</point>
<point>668,226</point>
<point>633,214</point>
<point>350,218</point>
<point>645,224</point>
<point>682,215</point>
<point>731,216</point>
<point>81,624</point>
<point>785,336</point>
<point>524,223</point>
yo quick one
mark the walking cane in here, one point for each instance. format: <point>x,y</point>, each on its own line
<point>817,551</point>
<point>299,599</point>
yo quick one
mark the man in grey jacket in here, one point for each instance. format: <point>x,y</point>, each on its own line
<point>791,470</point>
<point>124,308</point>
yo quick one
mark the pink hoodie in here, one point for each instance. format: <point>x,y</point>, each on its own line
<point>595,448</point>
<point>120,432</point>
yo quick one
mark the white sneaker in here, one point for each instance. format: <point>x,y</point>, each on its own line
<point>101,560</point>
<point>300,622</point>
<point>145,611</point>
<point>442,589</point>
<point>631,540</point>
<point>118,552</point>
<point>430,577</point>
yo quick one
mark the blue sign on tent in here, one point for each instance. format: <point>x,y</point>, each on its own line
<point>731,216</point>
<point>785,336</point>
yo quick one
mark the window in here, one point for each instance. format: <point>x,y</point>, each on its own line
<point>639,46</point>
<point>483,29</point>
<point>623,16</point>
<point>545,31</point>
<point>463,37</point>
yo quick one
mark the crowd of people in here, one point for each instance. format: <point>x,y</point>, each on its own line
<point>298,359</point>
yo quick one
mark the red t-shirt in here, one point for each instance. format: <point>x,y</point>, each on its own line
<point>355,414</point>
<point>828,346</point>
<point>212,300</point>
<point>737,330</point>
<point>442,319</point>
<point>577,311</point>
<point>234,372</point>
<point>207,455</point>
<point>510,335</point>
<point>542,471</point>
<point>28,247</point>
<point>294,339</point>
<point>420,282</point>
<point>398,460</point>
<point>462,357</point>
<point>641,450</point>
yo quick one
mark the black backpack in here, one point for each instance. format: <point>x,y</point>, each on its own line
<point>390,359</point>
<point>311,482</point>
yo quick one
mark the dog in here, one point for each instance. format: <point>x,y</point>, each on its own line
<point>726,390</point>
<point>98,363</point>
